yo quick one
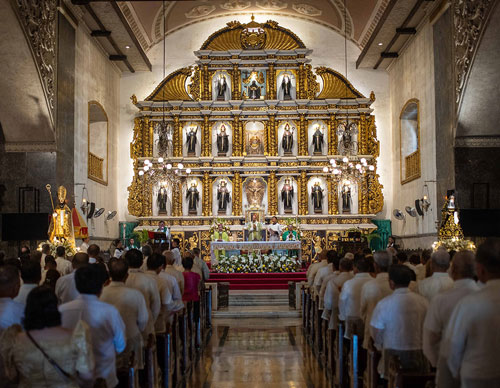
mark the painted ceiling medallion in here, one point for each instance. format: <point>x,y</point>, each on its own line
<point>273,5</point>
<point>200,11</point>
<point>307,9</point>
<point>236,5</point>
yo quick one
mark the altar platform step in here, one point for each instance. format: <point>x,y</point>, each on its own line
<point>246,312</point>
<point>258,281</point>
<point>277,298</point>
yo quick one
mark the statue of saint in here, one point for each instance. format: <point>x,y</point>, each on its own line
<point>450,222</point>
<point>255,145</point>
<point>286,87</point>
<point>191,141</point>
<point>161,200</point>
<point>287,196</point>
<point>317,197</point>
<point>318,141</point>
<point>255,190</point>
<point>287,140</point>
<point>222,141</point>
<point>193,197</point>
<point>223,197</point>
<point>254,91</point>
<point>346,199</point>
<point>221,88</point>
<point>61,225</point>
<point>254,228</point>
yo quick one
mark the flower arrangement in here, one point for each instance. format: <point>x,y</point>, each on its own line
<point>257,263</point>
<point>70,251</point>
<point>454,244</point>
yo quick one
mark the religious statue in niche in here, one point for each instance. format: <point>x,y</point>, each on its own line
<point>191,140</point>
<point>287,196</point>
<point>287,140</point>
<point>346,199</point>
<point>253,84</point>
<point>254,138</point>
<point>222,88</point>
<point>318,141</point>
<point>162,199</point>
<point>193,197</point>
<point>347,138</point>
<point>165,141</point>
<point>286,86</point>
<point>61,224</point>
<point>255,145</point>
<point>222,141</point>
<point>255,190</point>
<point>317,197</point>
<point>223,197</point>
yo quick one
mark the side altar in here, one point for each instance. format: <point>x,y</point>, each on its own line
<point>254,127</point>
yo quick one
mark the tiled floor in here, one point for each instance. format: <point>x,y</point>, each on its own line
<point>252,353</point>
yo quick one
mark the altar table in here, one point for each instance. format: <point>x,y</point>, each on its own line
<point>252,246</point>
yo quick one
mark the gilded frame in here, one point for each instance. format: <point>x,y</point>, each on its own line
<point>406,179</point>
<point>89,173</point>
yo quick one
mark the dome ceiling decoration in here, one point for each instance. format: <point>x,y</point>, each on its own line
<point>145,18</point>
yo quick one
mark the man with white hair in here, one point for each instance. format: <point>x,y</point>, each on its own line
<point>315,267</point>
<point>375,290</point>
<point>440,280</point>
<point>441,308</point>
<point>471,342</point>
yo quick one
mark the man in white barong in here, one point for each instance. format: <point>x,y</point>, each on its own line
<point>471,342</point>
<point>440,280</point>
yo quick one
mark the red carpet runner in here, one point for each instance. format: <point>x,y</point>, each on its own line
<point>257,281</point>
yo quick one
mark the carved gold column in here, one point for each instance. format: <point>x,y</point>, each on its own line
<point>362,135</point>
<point>177,200</point>
<point>272,193</point>
<point>302,136</point>
<point>333,140</point>
<point>237,136</point>
<point>148,137</point>
<point>206,83</point>
<point>148,200</point>
<point>302,189</point>
<point>236,84</point>
<point>363,196</point>
<point>301,92</point>
<point>237,195</point>
<point>273,140</point>
<point>375,195</point>
<point>177,137</point>
<point>206,209</point>
<point>206,139</point>
<point>271,82</point>
<point>333,200</point>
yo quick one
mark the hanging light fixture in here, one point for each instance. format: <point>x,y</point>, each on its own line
<point>349,168</point>
<point>162,128</point>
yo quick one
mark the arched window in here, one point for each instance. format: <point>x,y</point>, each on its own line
<point>98,143</point>
<point>410,141</point>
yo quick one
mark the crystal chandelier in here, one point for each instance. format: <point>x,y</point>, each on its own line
<point>349,169</point>
<point>166,174</point>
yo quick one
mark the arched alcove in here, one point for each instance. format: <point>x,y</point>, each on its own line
<point>409,132</point>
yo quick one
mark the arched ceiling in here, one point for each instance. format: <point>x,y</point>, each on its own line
<point>145,17</point>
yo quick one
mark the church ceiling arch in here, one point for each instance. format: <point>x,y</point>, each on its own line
<point>146,17</point>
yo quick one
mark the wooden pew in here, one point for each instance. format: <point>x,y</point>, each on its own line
<point>372,359</point>
<point>150,364</point>
<point>400,378</point>
<point>208,306</point>
<point>303,298</point>
<point>339,356</point>
<point>183,343</point>
<point>166,361</point>
<point>318,330</point>
<point>127,377</point>
<point>357,356</point>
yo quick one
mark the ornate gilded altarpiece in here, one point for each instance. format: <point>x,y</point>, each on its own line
<point>265,52</point>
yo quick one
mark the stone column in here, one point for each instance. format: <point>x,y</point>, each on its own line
<point>206,209</point>
<point>206,138</point>
<point>333,200</point>
<point>237,136</point>
<point>272,194</point>
<point>177,137</point>
<point>237,194</point>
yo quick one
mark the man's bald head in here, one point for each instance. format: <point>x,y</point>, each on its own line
<point>463,265</point>
<point>80,260</point>
<point>9,281</point>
